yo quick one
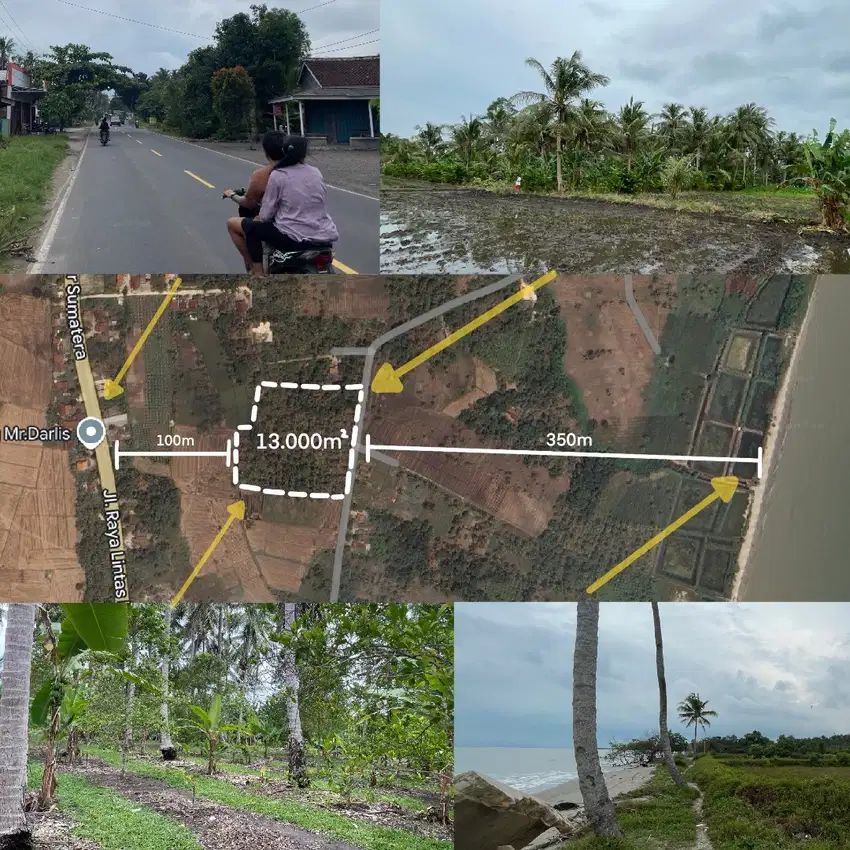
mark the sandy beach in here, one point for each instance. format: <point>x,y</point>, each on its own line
<point>799,514</point>
<point>619,781</point>
<point>772,447</point>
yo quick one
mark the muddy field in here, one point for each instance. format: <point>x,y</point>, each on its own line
<point>473,231</point>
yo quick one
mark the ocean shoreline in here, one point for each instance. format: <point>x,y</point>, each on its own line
<point>772,450</point>
<point>619,780</point>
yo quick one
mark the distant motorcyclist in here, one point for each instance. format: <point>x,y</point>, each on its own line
<point>104,127</point>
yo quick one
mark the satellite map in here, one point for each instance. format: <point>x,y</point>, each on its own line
<point>372,438</point>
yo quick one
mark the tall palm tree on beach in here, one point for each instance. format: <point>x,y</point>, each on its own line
<point>598,806</point>
<point>693,711</point>
<point>663,731</point>
<point>565,83</point>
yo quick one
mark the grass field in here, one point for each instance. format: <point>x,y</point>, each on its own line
<point>775,807</point>
<point>27,165</point>
<point>159,369</point>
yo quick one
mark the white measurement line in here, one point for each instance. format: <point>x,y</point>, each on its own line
<point>227,453</point>
<point>449,450</point>
<point>119,454</point>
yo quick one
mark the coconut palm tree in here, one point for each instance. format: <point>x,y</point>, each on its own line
<point>166,747</point>
<point>468,138</point>
<point>697,132</point>
<point>14,714</point>
<point>292,684</point>
<point>597,804</point>
<point>663,731</point>
<point>430,140</point>
<point>672,124</point>
<point>7,45</point>
<point>693,711</point>
<point>632,129</point>
<point>565,83</point>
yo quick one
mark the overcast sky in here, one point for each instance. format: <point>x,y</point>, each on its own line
<point>775,667</point>
<point>144,48</point>
<point>447,58</point>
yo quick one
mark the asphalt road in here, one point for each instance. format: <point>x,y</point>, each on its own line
<point>147,203</point>
<point>370,353</point>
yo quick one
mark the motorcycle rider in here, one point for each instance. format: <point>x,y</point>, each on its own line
<point>293,214</point>
<point>104,127</point>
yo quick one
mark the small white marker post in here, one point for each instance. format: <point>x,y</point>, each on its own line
<point>457,450</point>
<point>119,454</point>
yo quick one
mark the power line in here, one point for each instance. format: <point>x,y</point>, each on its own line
<point>132,20</point>
<point>353,38</point>
<point>310,8</point>
<point>26,40</point>
<point>373,41</point>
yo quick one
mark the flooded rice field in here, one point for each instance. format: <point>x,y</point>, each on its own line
<point>468,231</point>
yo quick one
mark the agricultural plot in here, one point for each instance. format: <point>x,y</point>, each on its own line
<point>772,359</point>
<point>759,407</point>
<point>765,309</point>
<point>726,397</point>
<point>158,360</point>
<point>235,398</point>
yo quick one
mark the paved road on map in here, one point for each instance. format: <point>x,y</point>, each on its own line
<point>641,319</point>
<point>105,471</point>
<point>132,210</point>
<point>368,365</point>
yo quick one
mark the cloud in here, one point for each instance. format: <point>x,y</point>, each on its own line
<point>778,667</point>
<point>147,49</point>
<point>444,59</point>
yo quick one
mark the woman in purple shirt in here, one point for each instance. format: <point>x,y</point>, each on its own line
<point>293,215</point>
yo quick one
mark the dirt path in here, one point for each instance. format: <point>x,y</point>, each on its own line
<point>52,831</point>
<point>217,826</point>
<point>703,841</point>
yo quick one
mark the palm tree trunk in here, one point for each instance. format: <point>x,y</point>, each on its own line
<point>292,683</point>
<point>128,725</point>
<point>166,747</point>
<point>558,173</point>
<point>663,731</point>
<point>14,716</point>
<point>597,804</point>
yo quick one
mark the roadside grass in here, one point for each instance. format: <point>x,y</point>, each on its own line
<point>409,803</point>
<point>790,205</point>
<point>308,817</point>
<point>114,822</point>
<point>27,165</point>
<point>658,815</point>
<point>765,808</point>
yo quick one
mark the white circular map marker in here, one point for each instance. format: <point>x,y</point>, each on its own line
<point>91,431</point>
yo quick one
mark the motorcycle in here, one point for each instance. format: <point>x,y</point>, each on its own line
<point>104,136</point>
<point>315,259</point>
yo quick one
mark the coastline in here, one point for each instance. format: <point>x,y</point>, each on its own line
<point>772,450</point>
<point>620,780</point>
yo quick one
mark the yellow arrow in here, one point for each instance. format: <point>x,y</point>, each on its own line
<point>236,511</point>
<point>113,388</point>
<point>388,380</point>
<point>724,488</point>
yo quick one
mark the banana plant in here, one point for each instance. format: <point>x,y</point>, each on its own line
<point>86,628</point>
<point>827,170</point>
<point>209,723</point>
<point>268,732</point>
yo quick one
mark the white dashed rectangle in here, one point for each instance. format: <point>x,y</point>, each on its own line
<point>352,452</point>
